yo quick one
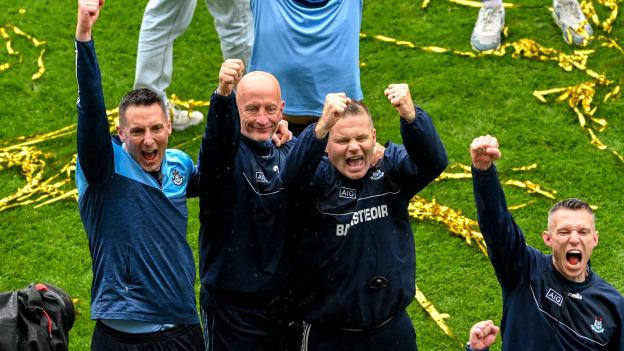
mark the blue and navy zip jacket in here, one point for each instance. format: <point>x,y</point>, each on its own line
<point>143,268</point>
<point>242,210</point>
<point>542,310</point>
<point>355,247</point>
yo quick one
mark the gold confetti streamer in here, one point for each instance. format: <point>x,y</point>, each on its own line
<point>31,162</point>
<point>525,168</point>
<point>517,207</point>
<point>423,210</point>
<point>477,4</point>
<point>8,43</point>
<point>595,141</point>
<point>38,138</point>
<point>36,42</point>
<point>530,187</point>
<point>12,52</point>
<point>189,105</point>
<point>41,66</point>
<point>590,12</point>
<point>612,94</point>
<point>610,43</point>
<point>438,318</point>
<point>580,98</point>
<point>385,39</point>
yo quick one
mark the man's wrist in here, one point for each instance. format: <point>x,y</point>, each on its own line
<point>83,36</point>
<point>468,348</point>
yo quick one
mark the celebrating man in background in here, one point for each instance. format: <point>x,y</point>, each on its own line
<point>550,302</point>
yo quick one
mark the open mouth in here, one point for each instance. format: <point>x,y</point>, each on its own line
<point>149,155</point>
<point>355,161</point>
<point>574,257</point>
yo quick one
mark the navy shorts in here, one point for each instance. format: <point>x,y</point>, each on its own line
<point>397,335</point>
<point>180,338</point>
<point>243,328</point>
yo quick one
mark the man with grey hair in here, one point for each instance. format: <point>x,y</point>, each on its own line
<point>550,302</point>
<point>242,205</point>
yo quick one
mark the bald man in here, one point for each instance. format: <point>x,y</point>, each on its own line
<point>242,213</point>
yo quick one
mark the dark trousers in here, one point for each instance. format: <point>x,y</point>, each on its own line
<point>181,338</point>
<point>243,328</point>
<point>396,335</point>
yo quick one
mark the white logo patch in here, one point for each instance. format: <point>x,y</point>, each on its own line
<point>378,174</point>
<point>347,193</point>
<point>577,296</point>
<point>597,326</point>
<point>554,297</point>
<point>260,178</point>
<point>176,177</point>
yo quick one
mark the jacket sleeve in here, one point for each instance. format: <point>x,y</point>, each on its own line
<point>220,141</point>
<point>617,342</point>
<point>95,149</point>
<point>303,160</point>
<point>507,249</point>
<point>421,159</point>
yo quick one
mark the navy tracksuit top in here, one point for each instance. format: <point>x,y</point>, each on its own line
<point>143,268</point>
<point>542,310</point>
<point>355,247</point>
<point>242,210</point>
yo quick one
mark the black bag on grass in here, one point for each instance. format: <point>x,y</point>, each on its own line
<point>36,318</point>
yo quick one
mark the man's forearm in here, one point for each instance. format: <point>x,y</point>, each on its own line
<point>221,138</point>
<point>423,143</point>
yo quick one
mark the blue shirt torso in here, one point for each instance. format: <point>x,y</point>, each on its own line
<point>312,49</point>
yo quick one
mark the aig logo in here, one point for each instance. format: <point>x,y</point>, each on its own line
<point>347,193</point>
<point>554,297</point>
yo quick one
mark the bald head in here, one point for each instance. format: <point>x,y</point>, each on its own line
<point>260,105</point>
<point>258,83</point>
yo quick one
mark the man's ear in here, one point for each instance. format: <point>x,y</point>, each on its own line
<point>547,238</point>
<point>121,133</point>
<point>374,135</point>
<point>596,237</point>
<point>169,126</point>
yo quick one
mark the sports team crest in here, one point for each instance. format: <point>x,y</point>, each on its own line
<point>176,177</point>
<point>378,174</point>
<point>597,326</point>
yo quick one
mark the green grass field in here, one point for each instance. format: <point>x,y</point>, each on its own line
<point>466,96</point>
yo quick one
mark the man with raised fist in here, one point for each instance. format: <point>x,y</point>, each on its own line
<point>550,302</point>
<point>132,200</point>
<point>243,213</point>
<point>355,254</point>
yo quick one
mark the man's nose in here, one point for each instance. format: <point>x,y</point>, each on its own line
<point>353,145</point>
<point>575,237</point>
<point>263,117</point>
<point>148,138</point>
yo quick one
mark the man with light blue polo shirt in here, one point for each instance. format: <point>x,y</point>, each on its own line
<point>312,48</point>
<point>132,201</point>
